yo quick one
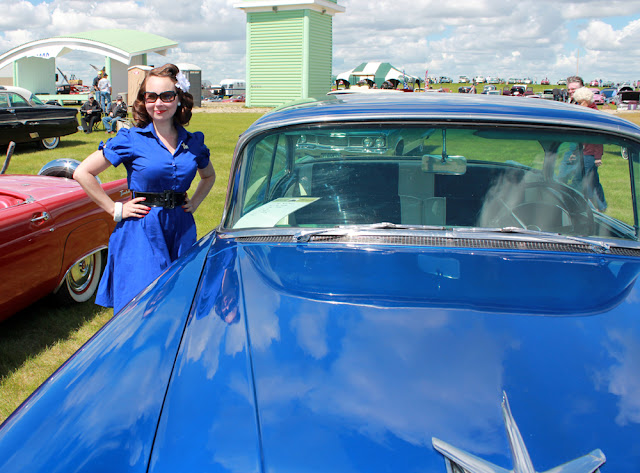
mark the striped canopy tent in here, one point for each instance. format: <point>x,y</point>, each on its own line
<point>378,73</point>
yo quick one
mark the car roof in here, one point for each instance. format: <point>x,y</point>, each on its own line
<point>8,88</point>
<point>410,106</point>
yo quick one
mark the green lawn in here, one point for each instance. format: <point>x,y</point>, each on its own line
<point>34,342</point>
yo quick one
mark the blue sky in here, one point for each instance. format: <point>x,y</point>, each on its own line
<point>528,38</point>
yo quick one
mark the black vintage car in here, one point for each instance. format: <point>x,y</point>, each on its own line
<point>25,118</point>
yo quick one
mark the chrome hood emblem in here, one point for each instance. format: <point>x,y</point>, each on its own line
<point>459,461</point>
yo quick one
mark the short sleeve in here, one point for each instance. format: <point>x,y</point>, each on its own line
<point>119,149</point>
<point>199,149</point>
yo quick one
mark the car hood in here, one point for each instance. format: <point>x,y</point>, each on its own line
<point>318,357</point>
<point>36,187</point>
<point>313,357</point>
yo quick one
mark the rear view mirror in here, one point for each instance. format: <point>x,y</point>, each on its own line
<point>439,164</point>
<point>443,163</point>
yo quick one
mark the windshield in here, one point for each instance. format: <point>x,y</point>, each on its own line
<point>540,179</point>
<point>35,100</point>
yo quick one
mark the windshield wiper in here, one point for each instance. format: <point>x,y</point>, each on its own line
<point>304,236</point>
<point>397,226</point>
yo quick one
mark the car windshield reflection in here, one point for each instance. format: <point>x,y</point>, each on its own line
<point>451,177</point>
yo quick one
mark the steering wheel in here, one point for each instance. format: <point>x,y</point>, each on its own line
<point>569,213</point>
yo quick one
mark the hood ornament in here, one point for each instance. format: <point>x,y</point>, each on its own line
<point>459,461</point>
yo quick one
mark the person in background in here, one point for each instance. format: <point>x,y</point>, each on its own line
<point>592,156</point>
<point>162,158</point>
<point>96,79</point>
<point>90,113</point>
<point>573,84</point>
<point>104,86</point>
<point>117,111</point>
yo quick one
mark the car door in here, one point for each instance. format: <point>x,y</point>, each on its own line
<point>11,129</point>
<point>33,124</point>
<point>30,255</point>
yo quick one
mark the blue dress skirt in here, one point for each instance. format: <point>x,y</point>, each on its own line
<point>140,249</point>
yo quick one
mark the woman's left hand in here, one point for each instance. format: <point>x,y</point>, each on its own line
<point>188,205</point>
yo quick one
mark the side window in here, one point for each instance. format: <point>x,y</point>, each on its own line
<point>4,101</point>
<point>18,101</point>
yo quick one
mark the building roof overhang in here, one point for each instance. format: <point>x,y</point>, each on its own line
<point>321,6</point>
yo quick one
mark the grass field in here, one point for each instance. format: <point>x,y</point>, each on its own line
<point>36,341</point>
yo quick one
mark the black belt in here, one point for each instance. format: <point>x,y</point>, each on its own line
<point>166,199</point>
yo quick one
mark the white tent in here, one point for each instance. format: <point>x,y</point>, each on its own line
<point>378,72</point>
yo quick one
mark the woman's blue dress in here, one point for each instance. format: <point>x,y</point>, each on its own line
<point>141,248</point>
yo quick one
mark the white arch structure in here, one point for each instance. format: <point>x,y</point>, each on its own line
<point>34,62</point>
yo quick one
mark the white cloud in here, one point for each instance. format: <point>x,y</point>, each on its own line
<point>538,39</point>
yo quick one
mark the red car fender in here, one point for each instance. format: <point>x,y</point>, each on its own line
<point>84,241</point>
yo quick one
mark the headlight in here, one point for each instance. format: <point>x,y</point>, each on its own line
<point>380,142</point>
<point>367,142</point>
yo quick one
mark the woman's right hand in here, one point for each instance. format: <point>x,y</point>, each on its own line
<point>135,208</point>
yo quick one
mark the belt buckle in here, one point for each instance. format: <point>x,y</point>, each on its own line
<point>169,199</point>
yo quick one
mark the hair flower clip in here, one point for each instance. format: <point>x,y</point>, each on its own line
<point>183,82</point>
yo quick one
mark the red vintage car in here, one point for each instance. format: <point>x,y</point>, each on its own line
<point>235,98</point>
<point>53,238</point>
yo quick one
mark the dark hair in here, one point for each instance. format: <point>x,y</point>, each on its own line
<point>577,79</point>
<point>183,113</point>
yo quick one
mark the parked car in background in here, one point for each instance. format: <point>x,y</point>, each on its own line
<point>520,90</point>
<point>488,88</point>
<point>594,83</point>
<point>562,82</point>
<point>626,99</point>
<point>544,81</point>
<point>547,94</point>
<point>527,81</point>
<point>236,98</point>
<point>466,89</point>
<point>598,98</point>
<point>25,118</point>
<point>608,94</point>
<point>53,238</point>
<point>462,310</point>
<point>445,80</point>
<point>479,79</point>
<point>463,80</point>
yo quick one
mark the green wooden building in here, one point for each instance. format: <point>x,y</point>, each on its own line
<point>289,49</point>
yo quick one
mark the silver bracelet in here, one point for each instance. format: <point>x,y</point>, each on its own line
<point>117,213</point>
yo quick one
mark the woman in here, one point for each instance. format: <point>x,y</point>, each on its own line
<point>156,226</point>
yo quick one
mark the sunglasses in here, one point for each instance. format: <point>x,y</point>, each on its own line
<point>167,96</point>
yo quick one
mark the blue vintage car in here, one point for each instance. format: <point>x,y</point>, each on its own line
<point>468,308</point>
